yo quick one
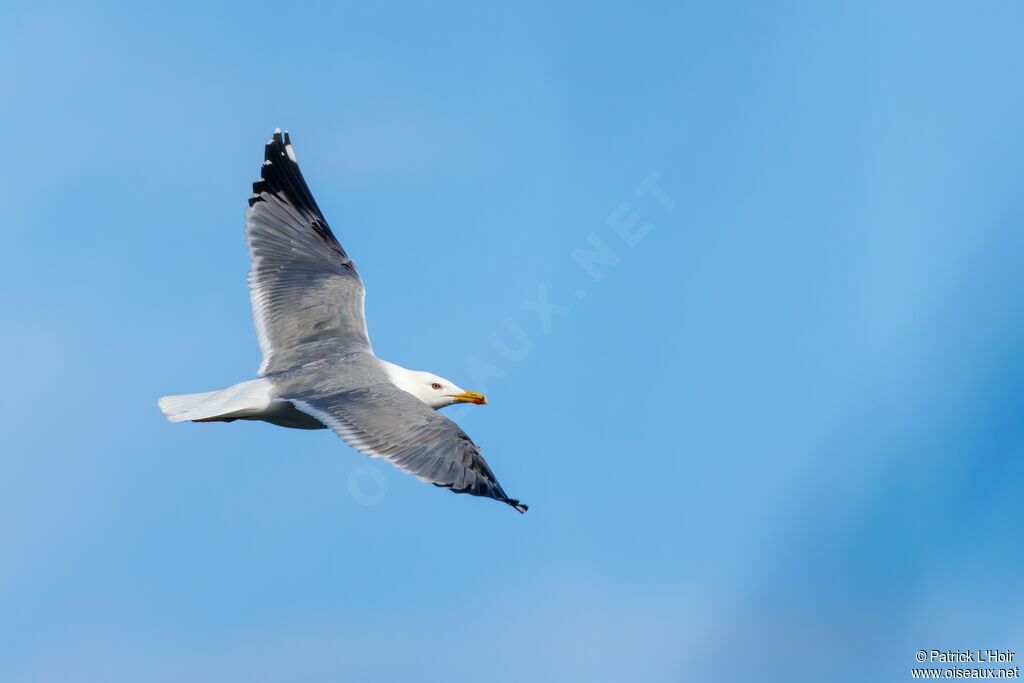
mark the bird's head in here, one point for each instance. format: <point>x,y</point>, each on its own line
<point>437,392</point>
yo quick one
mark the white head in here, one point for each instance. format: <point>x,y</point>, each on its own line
<point>436,392</point>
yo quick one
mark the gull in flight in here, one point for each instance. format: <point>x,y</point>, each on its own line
<point>318,370</point>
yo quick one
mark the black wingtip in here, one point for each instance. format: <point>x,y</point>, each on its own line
<point>280,175</point>
<point>275,147</point>
<point>498,495</point>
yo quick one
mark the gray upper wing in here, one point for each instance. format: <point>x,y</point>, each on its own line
<point>383,421</point>
<point>307,299</point>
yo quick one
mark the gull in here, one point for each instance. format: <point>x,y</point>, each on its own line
<point>318,369</point>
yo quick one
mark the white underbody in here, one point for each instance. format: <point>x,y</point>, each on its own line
<point>256,400</point>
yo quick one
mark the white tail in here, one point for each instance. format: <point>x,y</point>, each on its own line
<point>247,399</point>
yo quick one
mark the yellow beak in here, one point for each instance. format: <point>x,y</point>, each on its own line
<point>470,397</point>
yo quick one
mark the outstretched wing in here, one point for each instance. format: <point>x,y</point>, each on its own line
<point>383,421</point>
<point>307,299</point>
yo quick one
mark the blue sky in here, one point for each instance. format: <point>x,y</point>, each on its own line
<point>778,439</point>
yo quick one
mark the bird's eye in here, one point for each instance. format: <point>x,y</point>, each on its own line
<point>435,385</point>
